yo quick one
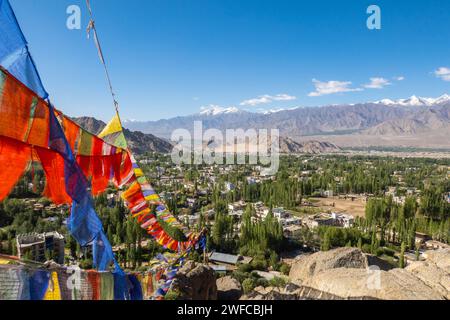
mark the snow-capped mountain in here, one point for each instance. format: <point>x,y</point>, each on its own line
<point>416,121</point>
<point>217,110</point>
<point>130,120</point>
<point>415,101</point>
<point>271,111</point>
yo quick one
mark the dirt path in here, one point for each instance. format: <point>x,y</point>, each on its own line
<point>355,208</point>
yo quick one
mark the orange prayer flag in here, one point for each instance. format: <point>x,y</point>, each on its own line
<point>53,165</point>
<point>16,153</point>
<point>15,109</point>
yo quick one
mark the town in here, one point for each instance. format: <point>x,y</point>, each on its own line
<point>394,209</point>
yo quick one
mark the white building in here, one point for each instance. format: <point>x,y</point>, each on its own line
<point>343,220</point>
<point>190,219</point>
<point>327,193</point>
<point>280,213</point>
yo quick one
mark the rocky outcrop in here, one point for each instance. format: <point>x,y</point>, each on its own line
<point>344,273</point>
<point>228,288</point>
<point>396,284</point>
<point>195,281</point>
<point>293,292</point>
<point>288,145</point>
<point>434,271</point>
<point>306,266</point>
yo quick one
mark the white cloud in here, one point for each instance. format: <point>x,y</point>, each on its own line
<point>443,73</point>
<point>399,78</point>
<point>331,87</point>
<point>267,99</point>
<point>377,83</point>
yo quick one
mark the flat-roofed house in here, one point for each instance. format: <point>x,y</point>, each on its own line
<point>230,261</point>
<point>34,246</point>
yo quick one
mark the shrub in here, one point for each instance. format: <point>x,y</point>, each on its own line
<point>285,269</point>
<point>240,276</point>
<point>259,264</point>
<point>389,252</point>
<point>262,282</point>
<point>379,252</point>
<point>273,258</point>
<point>248,285</point>
<point>245,267</point>
<point>366,248</point>
<point>172,295</point>
<point>277,282</point>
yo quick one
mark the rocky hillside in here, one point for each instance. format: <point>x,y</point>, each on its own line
<point>412,122</point>
<point>344,274</point>
<point>292,123</point>
<point>195,281</point>
<point>421,121</point>
<point>288,145</point>
<point>138,142</point>
<point>90,124</point>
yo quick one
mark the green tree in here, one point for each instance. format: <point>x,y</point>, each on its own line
<point>326,241</point>
<point>402,262</point>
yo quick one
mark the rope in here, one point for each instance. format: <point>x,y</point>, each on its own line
<point>91,27</point>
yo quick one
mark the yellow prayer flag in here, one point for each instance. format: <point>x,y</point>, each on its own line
<point>53,291</point>
<point>112,127</point>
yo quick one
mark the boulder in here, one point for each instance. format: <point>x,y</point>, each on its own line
<point>307,266</point>
<point>397,284</point>
<point>434,271</point>
<point>292,292</point>
<point>195,281</point>
<point>441,258</point>
<point>344,273</point>
<point>228,288</point>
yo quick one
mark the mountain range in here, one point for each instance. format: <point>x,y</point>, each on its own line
<point>413,122</point>
<point>141,143</point>
<point>138,142</point>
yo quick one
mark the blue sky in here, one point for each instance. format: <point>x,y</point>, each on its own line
<point>172,57</point>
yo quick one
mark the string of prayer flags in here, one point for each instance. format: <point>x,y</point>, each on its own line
<point>142,200</point>
<point>24,133</point>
